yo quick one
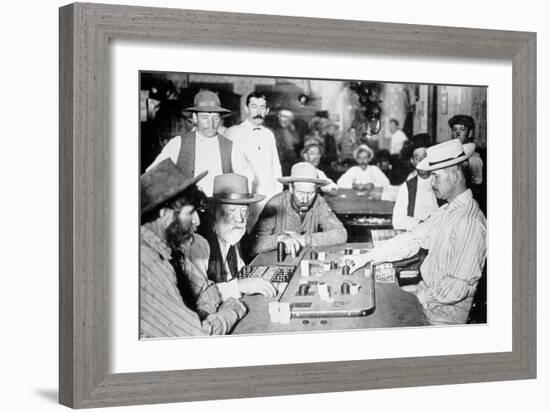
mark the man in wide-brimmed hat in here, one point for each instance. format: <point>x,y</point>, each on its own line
<point>175,299</point>
<point>364,176</point>
<point>298,217</point>
<point>455,236</point>
<point>204,148</point>
<point>220,254</point>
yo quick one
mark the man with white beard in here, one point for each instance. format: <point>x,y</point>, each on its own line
<point>218,253</point>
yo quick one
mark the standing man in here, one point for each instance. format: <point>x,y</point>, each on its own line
<point>462,128</point>
<point>287,140</point>
<point>257,144</point>
<point>204,148</point>
<point>398,138</point>
<point>416,199</point>
<point>220,254</point>
<point>169,303</point>
<point>298,217</point>
<point>455,236</point>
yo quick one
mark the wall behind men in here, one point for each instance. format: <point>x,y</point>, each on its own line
<point>29,206</point>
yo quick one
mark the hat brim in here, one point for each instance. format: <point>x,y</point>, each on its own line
<point>176,190</point>
<point>240,201</point>
<point>206,109</point>
<point>468,148</point>
<point>287,180</point>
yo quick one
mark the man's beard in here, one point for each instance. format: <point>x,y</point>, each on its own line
<point>178,236</point>
<point>231,233</point>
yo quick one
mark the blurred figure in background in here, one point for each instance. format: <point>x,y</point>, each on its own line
<point>313,153</point>
<point>398,138</point>
<point>416,199</point>
<point>287,140</point>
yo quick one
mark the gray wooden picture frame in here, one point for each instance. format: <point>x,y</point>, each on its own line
<point>85,32</point>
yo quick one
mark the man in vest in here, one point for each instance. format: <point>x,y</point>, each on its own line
<point>205,149</point>
<point>219,254</point>
<point>416,199</point>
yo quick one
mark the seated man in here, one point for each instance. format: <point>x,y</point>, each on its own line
<point>416,198</point>
<point>174,301</point>
<point>455,237</point>
<point>363,176</point>
<point>219,255</point>
<point>298,217</point>
<point>312,153</point>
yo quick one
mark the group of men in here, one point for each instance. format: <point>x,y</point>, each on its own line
<point>226,188</point>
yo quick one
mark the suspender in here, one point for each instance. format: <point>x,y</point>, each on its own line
<point>412,187</point>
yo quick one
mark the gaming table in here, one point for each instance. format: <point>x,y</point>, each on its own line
<point>383,305</point>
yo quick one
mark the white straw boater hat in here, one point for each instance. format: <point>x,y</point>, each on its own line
<point>363,148</point>
<point>446,154</point>
<point>303,172</point>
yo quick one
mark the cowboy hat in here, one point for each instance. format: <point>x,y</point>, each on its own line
<point>232,188</point>
<point>207,101</point>
<point>303,172</point>
<point>446,154</point>
<point>162,183</point>
<point>363,148</point>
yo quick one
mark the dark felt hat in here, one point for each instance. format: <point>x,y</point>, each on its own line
<point>464,119</point>
<point>207,101</point>
<point>232,188</point>
<point>162,183</point>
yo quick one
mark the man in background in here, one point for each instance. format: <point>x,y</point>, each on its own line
<point>313,153</point>
<point>287,140</point>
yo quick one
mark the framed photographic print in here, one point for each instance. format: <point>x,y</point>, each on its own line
<point>263,103</point>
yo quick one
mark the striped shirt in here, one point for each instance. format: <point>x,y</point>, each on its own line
<point>456,238</point>
<point>162,310</point>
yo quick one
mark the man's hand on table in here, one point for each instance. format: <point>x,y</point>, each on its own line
<point>356,262</point>
<point>252,286</point>
<point>293,241</point>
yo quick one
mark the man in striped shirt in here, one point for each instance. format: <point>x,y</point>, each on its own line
<point>175,300</point>
<point>455,236</point>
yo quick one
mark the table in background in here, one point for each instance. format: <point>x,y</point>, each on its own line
<point>394,308</point>
<point>360,213</point>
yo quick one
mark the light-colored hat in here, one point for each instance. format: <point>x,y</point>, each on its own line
<point>162,183</point>
<point>312,142</point>
<point>207,101</point>
<point>286,113</point>
<point>232,188</point>
<point>363,148</point>
<point>303,172</point>
<point>446,154</point>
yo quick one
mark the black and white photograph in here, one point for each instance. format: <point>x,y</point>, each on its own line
<point>273,205</point>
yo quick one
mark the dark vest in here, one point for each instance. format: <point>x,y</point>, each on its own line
<point>186,157</point>
<point>412,188</point>
<point>216,267</point>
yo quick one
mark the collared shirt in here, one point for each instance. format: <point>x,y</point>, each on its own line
<point>372,174</point>
<point>257,143</point>
<point>398,138</point>
<point>204,160</point>
<point>162,310</point>
<point>199,253</point>
<point>425,204</point>
<point>319,223</point>
<point>456,239</point>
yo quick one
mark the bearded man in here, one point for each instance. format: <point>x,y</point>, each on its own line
<point>174,298</point>
<point>220,254</point>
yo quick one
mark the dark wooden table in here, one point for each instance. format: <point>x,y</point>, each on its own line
<point>354,202</point>
<point>394,308</point>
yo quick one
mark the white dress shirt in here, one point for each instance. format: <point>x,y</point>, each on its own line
<point>205,147</point>
<point>398,138</point>
<point>372,174</point>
